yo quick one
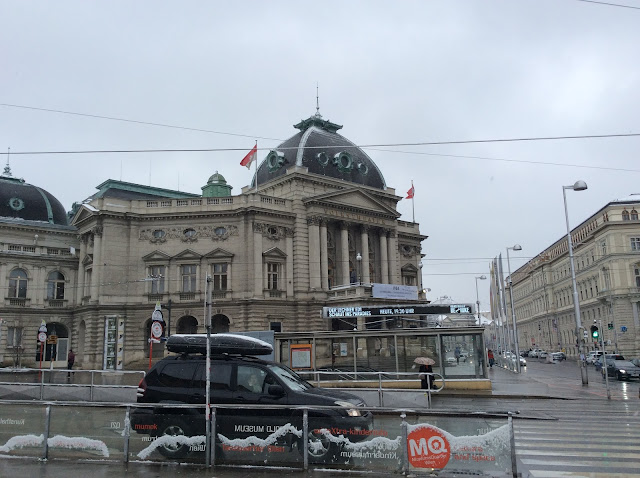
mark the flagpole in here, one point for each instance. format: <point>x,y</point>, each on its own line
<point>256,160</point>
<point>413,209</point>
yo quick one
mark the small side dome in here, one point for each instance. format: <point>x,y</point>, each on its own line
<point>21,200</point>
<point>216,187</point>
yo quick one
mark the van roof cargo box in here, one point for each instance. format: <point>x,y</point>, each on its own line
<point>232,344</point>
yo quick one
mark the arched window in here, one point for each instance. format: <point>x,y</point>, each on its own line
<point>18,284</point>
<point>625,215</point>
<point>55,286</point>
<point>634,215</point>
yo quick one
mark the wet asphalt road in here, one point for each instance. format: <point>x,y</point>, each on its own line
<point>29,468</point>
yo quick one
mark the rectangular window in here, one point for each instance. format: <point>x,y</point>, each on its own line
<point>273,269</point>
<point>635,243</point>
<point>14,337</point>
<point>636,270</point>
<point>219,276</point>
<point>188,278</point>
<point>157,274</point>
<point>409,280</point>
<point>87,283</point>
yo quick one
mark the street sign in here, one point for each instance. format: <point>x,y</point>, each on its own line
<point>52,339</point>
<point>156,330</point>
<point>623,328</point>
<point>42,337</point>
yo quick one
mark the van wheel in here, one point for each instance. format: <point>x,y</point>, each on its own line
<point>173,427</point>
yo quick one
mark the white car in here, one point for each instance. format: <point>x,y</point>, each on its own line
<point>451,361</point>
<point>593,356</point>
<point>542,354</point>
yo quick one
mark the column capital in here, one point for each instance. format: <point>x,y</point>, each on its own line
<point>313,220</point>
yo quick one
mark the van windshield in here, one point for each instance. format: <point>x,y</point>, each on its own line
<point>290,378</point>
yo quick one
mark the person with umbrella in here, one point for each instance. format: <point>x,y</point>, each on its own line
<point>426,372</point>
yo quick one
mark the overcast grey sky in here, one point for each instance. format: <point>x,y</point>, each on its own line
<point>390,72</point>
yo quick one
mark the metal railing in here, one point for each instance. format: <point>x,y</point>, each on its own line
<point>479,443</point>
<point>383,381</point>
<point>83,385</point>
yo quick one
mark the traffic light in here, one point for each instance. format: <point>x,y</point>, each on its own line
<point>594,332</point>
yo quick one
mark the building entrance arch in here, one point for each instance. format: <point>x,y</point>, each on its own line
<point>187,325</point>
<point>219,324</point>
<point>56,347</point>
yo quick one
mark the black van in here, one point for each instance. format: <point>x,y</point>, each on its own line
<point>243,380</point>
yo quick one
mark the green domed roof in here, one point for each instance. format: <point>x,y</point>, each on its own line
<point>216,187</point>
<point>217,178</point>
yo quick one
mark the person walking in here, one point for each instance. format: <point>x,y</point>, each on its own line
<point>490,357</point>
<point>426,381</point>
<point>71,359</point>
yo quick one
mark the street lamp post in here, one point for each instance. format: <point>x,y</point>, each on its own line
<point>482,277</point>
<point>359,272</point>
<point>577,186</point>
<point>516,247</point>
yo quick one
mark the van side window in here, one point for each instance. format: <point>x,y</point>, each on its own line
<point>176,374</point>
<point>220,376</point>
<point>251,379</point>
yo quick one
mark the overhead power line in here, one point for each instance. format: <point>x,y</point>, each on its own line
<point>610,4</point>
<point>360,146</point>
<point>148,123</point>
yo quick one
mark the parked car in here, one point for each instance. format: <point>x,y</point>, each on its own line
<point>598,362</point>
<point>593,356</point>
<point>244,380</point>
<point>636,362</point>
<point>524,353</point>
<point>534,353</point>
<point>543,354</point>
<point>558,356</point>
<point>622,369</point>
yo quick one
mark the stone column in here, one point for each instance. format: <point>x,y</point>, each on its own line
<point>314,253</point>
<point>344,253</point>
<point>392,243</point>
<point>364,239</point>
<point>258,289</point>
<point>324,256</point>
<point>289,272</point>
<point>97,263</point>
<point>384,261</point>
<point>80,280</point>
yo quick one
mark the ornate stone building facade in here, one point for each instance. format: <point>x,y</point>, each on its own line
<point>316,227</point>
<point>607,264</point>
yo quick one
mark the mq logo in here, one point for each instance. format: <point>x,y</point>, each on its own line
<point>428,448</point>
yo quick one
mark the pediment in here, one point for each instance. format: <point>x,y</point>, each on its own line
<point>353,198</point>
<point>275,253</point>
<point>156,256</point>
<point>218,253</point>
<point>187,254</point>
<point>88,260</point>
<point>81,214</point>
<point>409,268</point>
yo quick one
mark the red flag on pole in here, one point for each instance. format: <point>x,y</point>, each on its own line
<point>250,157</point>
<point>410,192</point>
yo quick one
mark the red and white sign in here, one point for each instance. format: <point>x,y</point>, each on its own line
<point>156,330</point>
<point>428,448</point>
<point>42,337</point>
